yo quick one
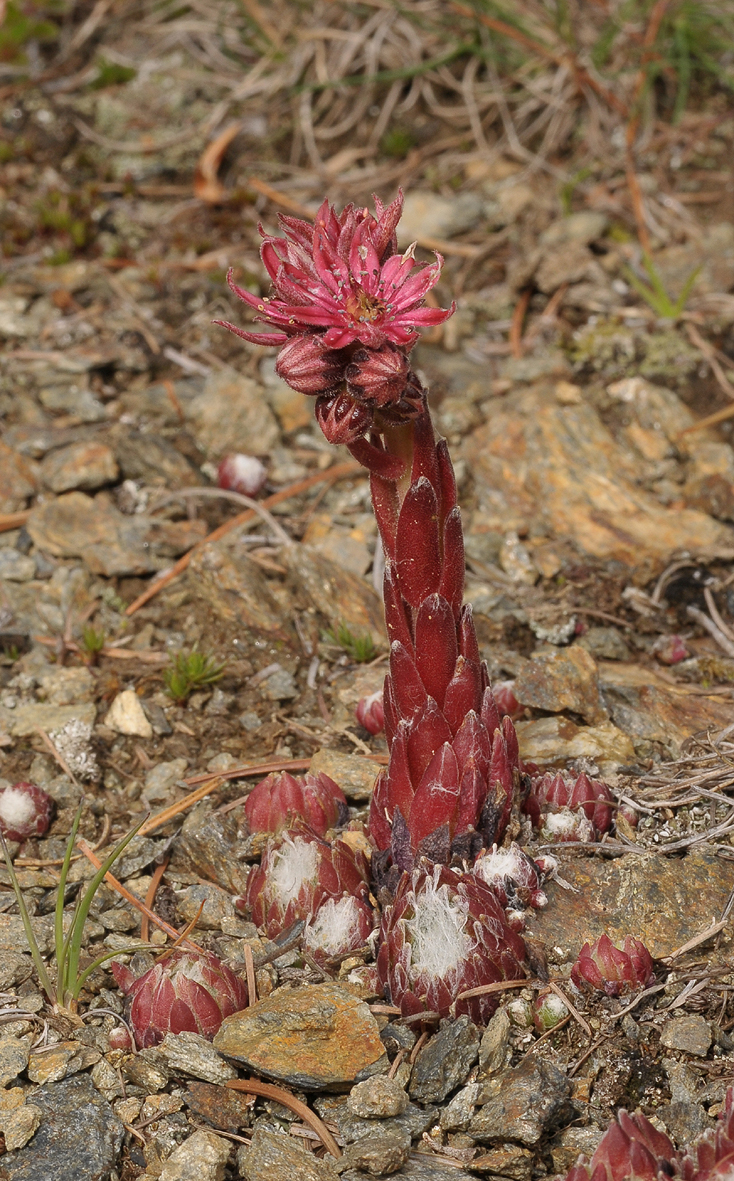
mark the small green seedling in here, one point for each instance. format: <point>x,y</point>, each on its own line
<point>360,649</point>
<point>655,295</point>
<point>191,671</point>
<point>92,643</point>
<point>63,992</point>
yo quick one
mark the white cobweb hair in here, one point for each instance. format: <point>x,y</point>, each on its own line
<point>16,807</point>
<point>440,942</point>
<point>334,927</point>
<point>295,862</point>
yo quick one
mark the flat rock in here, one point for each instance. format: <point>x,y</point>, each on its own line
<point>355,774</point>
<point>16,567</point>
<point>338,594</point>
<point>203,1157</point>
<point>351,548</point>
<point>155,460</point>
<point>19,1125</point>
<point>662,901</point>
<point>420,1167</point>
<point>66,686</point>
<point>507,1160</point>
<point>532,1097</point>
<point>25,720</point>
<point>429,215</point>
<point>415,1120</point>
<point>194,1055</point>
<point>494,1044</point>
<point>161,778</point>
<point>445,1061</point>
<point>536,460</point>
<point>654,713</point>
<point>126,716</point>
<point>13,1059</point>
<point>555,741</point>
<point>377,1098</point>
<point>315,1037</point>
<point>12,932</point>
<point>209,902</point>
<point>85,465</point>
<point>79,1137</point>
<point>381,1153</point>
<point>208,845</point>
<point>221,1106</point>
<point>234,587</point>
<point>230,414</point>
<point>273,1157</point>
<point>109,542</point>
<point>18,481</point>
<point>562,679</point>
<point>691,1034</point>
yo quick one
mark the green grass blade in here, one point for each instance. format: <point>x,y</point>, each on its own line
<point>43,976</point>
<point>682,299</point>
<point>647,293</point>
<point>60,942</point>
<point>77,931</point>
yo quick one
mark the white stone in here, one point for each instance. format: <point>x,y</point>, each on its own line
<point>125,716</point>
<point>203,1157</point>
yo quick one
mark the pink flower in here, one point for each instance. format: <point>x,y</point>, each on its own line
<point>611,970</point>
<point>308,367</point>
<point>279,800</point>
<point>297,874</point>
<point>25,811</point>
<point>186,991</point>
<point>370,712</point>
<point>444,934</point>
<point>341,277</point>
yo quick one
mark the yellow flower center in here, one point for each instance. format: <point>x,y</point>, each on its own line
<point>365,307</point>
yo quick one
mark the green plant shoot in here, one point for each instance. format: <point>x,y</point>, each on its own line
<point>193,670</point>
<point>361,649</point>
<point>656,295</point>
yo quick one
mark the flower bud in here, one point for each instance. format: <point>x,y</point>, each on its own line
<point>611,970</point>
<point>308,367</point>
<point>279,800</point>
<point>342,419</point>
<point>370,712</point>
<point>186,991</point>
<point>378,376</point>
<point>25,811</point>
<point>242,473</point>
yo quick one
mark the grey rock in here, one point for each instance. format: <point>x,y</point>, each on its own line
<point>280,686</point>
<point>690,1034</point>
<point>13,1059</point>
<point>604,643</point>
<point>444,1063</point>
<point>80,1136</point>
<point>207,845</point>
<point>532,1097</point>
<point>419,1168</point>
<point>273,1157</point>
<point>161,778</point>
<point>685,1121</point>
<point>569,1144</point>
<point>12,932</point>
<point>52,1063</point>
<point>84,465</point>
<point>66,686</point>
<point>494,1045</point>
<point>415,1120</point>
<point>429,215</point>
<point>398,1037</point>
<point>230,413</point>
<point>217,902</point>
<point>355,775</point>
<point>583,227</point>
<point>16,567</point>
<point>234,587</point>
<point>203,1157</point>
<point>377,1098</point>
<point>107,1080</point>
<point>25,720</point>
<point>18,480</point>
<point>147,1069</point>
<point>73,399</point>
<point>195,1056</point>
<point>15,967</point>
<point>154,460</point>
<point>457,1114</point>
<point>381,1153</point>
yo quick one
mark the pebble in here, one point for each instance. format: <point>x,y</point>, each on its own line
<point>415,1120</point>
<point>147,1069</point>
<point>221,1106</point>
<point>381,1153</point>
<point>203,1157</point>
<point>279,686</point>
<point>19,1125</point>
<point>218,905</point>
<point>154,460</point>
<point>685,1121</point>
<point>229,413</point>
<point>207,845</point>
<point>691,1034</point>
<point>13,1059</point>
<point>25,720</point>
<point>275,1157</point>
<point>429,215</point>
<point>16,567</point>
<point>568,1146</point>
<point>495,1044</point>
<point>531,1098</point>
<point>126,716</point>
<point>516,562</point>
<point>338,594</point>
<point>355,774</point>
<point>445,1061</point>
<point>84,466</point>
<point>66,686</point>
<point>507,1161</point>
<point>107,1080</point>
<point>604,643</point>
<point>377,1098</point>
<point>314,1037</point>
<point>79,1135</point>
<point>13,937</point>
<point>161,778</point>
<point>457,1114</point>
<point>53,1063</point>
<point>17,480</point>
<point>194,1055</point>
<point>562,679</point>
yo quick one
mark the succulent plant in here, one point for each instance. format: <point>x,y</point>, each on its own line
<point>548,1011</point>
<point>445,933</point>
<point>553,793</point>
<point>298,873</point>
<point>514,877</point>
<point>242,473</point>
<point>370,712</point>
<point>25,811</point>
<point>279,800</point>
<point>630,1150</point>
<point>185,991</point>
<point>613,970</point>
<point>339,926</point>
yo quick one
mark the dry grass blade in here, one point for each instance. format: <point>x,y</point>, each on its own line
<point>155,882</point>
<point>207,186</point>
<point>10,521</point>
<point>268,1091</point>
<point>571,1008</point>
